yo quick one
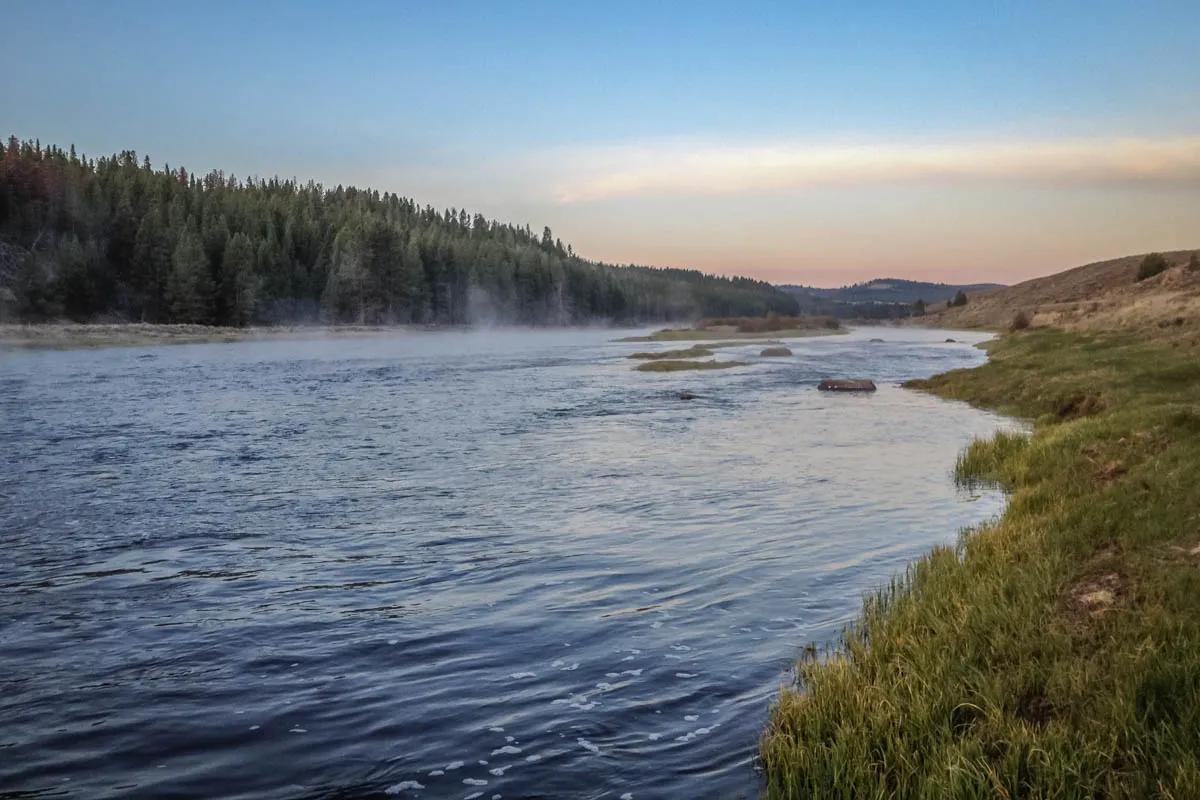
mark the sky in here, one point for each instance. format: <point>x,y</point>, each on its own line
<point>795,142</point>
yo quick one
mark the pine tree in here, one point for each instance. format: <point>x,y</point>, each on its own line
<point>403,262</point>
<point>189,286</point>
<point>239,284</point>
<point>151,265</point>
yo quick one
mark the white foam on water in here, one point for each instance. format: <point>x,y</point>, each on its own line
<point>627,796</point>
<point>516,676</point>
<point>499,771</point>
<point>484,763</point>
<point>474,781</point>
<point>453,765</point>
<point>533,758</point>
<point>508,749</point>
<point>558,662</point>
<point>680,647</point>
<point>393,642</point>
<point>586,745</point>
<point>473,796</point>
<point>634,672</point>
<point>691,717</point>
<point>298,730</point>
<point>437,772</point>
<point>655,624</point>
<point>612,674</point>
<point>255,727</point>
<point>654,737</point>
<point>496,729</point>
<point>628,658</point>
<point>698,732</point>
<point>403,786</point>
<point>510,738</point>
<point>571,668</point>
<point>685,674</point>
<point>604,686</point>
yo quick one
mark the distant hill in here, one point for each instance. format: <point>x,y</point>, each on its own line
<point>1104,295</point>
<point>881,298</point>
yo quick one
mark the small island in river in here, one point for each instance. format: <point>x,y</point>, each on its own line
<point>746,329</point>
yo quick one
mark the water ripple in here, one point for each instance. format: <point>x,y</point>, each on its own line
<point>434,566</point>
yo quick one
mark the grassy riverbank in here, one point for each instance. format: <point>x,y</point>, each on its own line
<point>1056,652</point>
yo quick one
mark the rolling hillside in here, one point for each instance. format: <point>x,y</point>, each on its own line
<point>1103,295</point>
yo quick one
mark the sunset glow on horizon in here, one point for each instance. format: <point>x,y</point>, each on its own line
<point>794,143</point>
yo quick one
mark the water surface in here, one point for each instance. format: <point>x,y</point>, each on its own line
<point>492,564</point>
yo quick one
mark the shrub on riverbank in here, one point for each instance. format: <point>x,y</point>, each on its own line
<point>1056,652</point>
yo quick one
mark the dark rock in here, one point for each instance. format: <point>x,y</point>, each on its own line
<point>846,385</point>
<point>687,396</point>
<point>877,340</point>
<point>952,340</point>
<point>775,352</point>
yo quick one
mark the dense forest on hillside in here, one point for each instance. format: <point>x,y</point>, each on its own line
<point>113,238</point>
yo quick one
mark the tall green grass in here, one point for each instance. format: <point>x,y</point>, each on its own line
<point>1056,651</point>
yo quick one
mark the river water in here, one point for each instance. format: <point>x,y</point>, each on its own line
<point>487,564</point>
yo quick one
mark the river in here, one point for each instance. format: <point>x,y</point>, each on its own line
<point>488,564</point>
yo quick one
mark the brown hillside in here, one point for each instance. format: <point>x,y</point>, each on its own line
<point>1101,295</point>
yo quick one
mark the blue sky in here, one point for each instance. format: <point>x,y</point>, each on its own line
<point>815,143</point>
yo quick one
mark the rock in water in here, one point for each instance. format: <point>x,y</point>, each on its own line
<point>687,396</point>
<point>846,385</point>
<point>775,352</point>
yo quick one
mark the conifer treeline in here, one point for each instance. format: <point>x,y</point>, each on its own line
<point>114,238</point>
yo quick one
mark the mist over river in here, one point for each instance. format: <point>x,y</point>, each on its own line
<point>478,564</point>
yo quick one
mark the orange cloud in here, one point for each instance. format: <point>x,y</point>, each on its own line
<point>673,168</point>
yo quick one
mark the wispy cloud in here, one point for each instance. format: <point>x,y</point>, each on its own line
<point>667,168</point>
